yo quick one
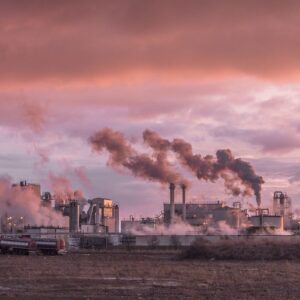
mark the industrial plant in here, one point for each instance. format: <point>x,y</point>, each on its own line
<point>97,215</point>
<point>94,223</point>
<point>203,218</point>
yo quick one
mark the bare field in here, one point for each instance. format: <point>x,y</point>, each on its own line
<point>145,275</point>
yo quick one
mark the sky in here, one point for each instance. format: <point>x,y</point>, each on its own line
<point>219,74</point>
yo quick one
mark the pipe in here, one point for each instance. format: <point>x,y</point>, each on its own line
<point>183,187</point>
<point>172,202</point>
<point>98,215</point>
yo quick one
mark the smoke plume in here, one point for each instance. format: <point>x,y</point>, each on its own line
<point>16,202</point>
<point>34,116</point>
<point>123,155</point>
<point>62,188</point>
<point>234,171</point>
<point>243,170</point>
<point>79,172</point>
<point>224,165</point>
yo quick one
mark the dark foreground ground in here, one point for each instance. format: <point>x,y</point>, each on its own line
<point>145,276</point>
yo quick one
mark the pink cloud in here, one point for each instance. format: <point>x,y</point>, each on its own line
<point>104,41</point>
<point>34,115</point>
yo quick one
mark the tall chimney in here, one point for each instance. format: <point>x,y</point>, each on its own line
<point>172,202</point>
<point>74,217</point>
<point>116,215</point>
<point>183,187</point>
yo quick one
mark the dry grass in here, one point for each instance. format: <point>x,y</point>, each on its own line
<point>145,275</point>
<point>243,250</point>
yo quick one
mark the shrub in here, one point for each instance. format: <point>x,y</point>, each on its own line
<point>242,250</point>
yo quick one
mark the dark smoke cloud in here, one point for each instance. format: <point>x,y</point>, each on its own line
<point>159,145</point>
<point>115,143</point>
<point>243,170</point>
<point>232,170</point>
<point>122,154</point>
<point>201,166</point>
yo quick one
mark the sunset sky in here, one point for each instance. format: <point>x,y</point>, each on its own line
<point>220,74</point>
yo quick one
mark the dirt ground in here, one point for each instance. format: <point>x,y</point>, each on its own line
<point>144,276</point>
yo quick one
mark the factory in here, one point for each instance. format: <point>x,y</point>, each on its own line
<point>199,216</point>
<point>27,187</point>
<point>98,215</point>
<point>95,222</point>
<point>203,217</point>
<point>87,216</point>
<point>282,206</point>
<point>142,225</point>
<point>264,222</point>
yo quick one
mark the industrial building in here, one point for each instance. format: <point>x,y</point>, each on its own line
<point>264,222</point>
<point>204,217</point>
<point>282,206</point>
<point>14,223</point>
<point>48,200</point>
<point>98,215</point>
<point>206,214</point>
<point>46,232</point>
<point>94,222</point>
<point>94,216</point>
<point>101,215</point>
<point>202,214</point>
<point>140,225</point>
<point>25,186</point>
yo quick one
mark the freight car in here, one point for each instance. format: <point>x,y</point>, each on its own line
<point>26,245</point>
<point>16,245</point>
<point>50,246</point>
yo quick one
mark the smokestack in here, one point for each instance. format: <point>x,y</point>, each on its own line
<point>172,202</point>
<point>183,187</point>
<point>74,217</point>
<point>116,215</point>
